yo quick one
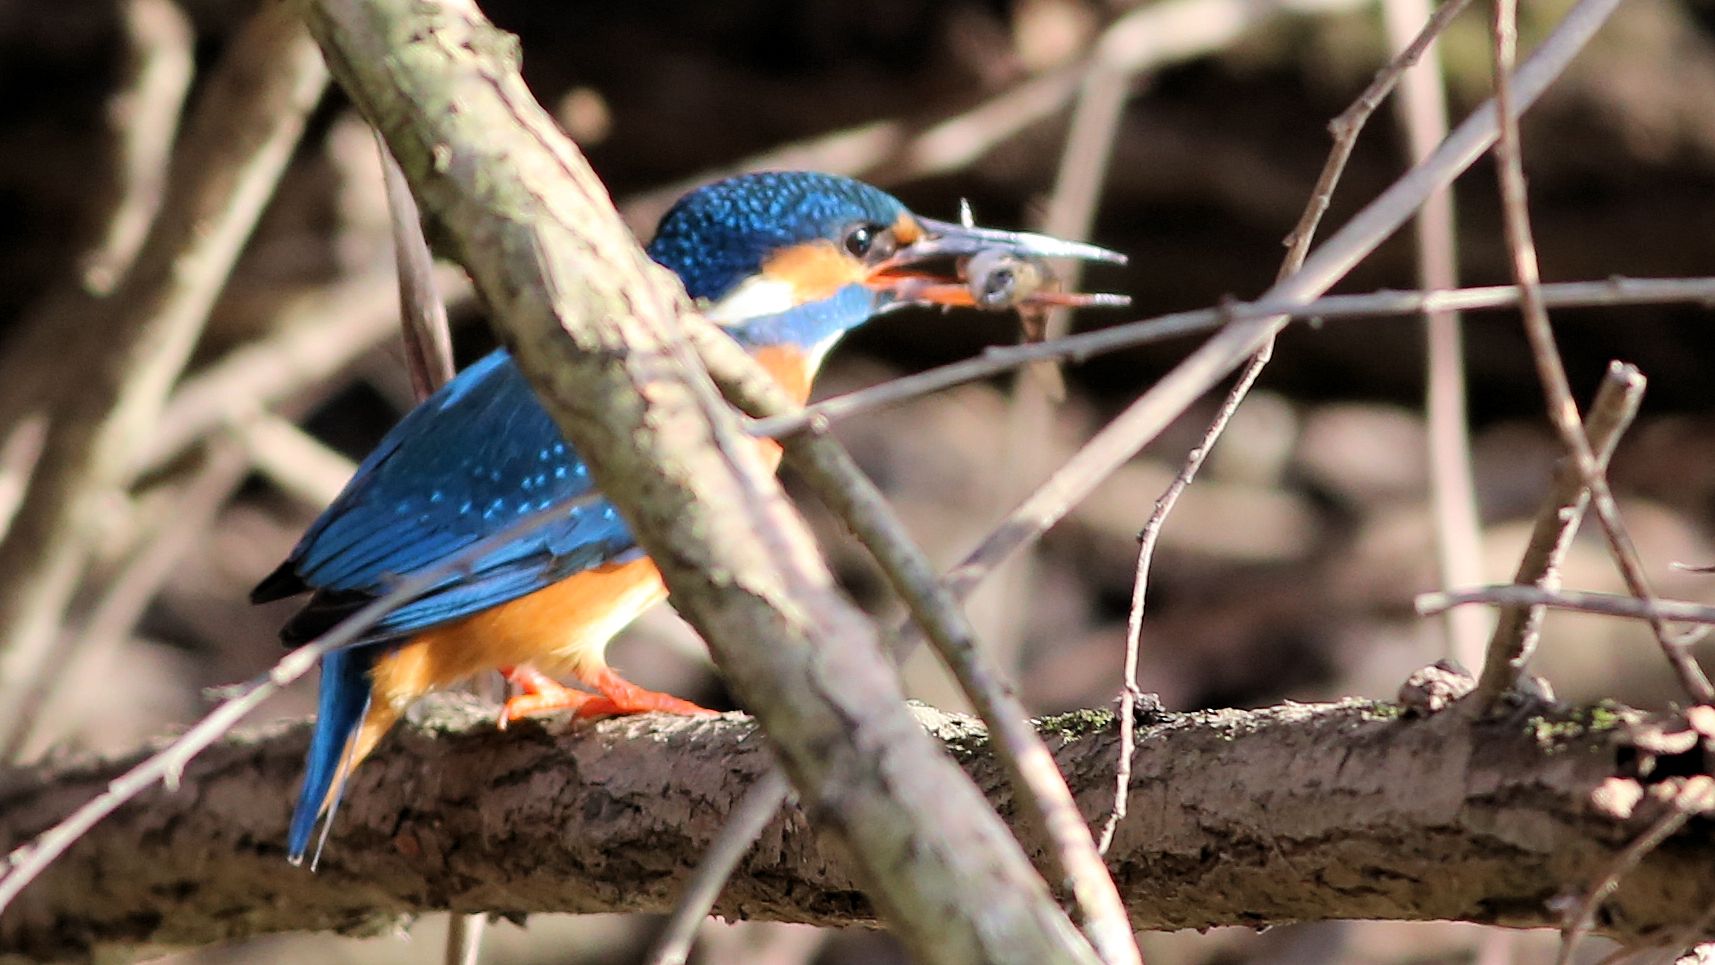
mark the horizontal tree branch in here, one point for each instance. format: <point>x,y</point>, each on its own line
<point>1298,812</point>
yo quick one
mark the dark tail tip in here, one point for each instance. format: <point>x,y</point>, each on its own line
<point>278,585</point>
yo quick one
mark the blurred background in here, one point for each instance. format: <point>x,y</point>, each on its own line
<point>1287,571</point>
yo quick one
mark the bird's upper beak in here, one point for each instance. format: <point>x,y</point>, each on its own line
<point>966,266</point>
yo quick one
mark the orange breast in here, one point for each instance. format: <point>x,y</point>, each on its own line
<point>562,628</point>
<point>789,368</point>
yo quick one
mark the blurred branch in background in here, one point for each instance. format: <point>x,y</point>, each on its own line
<point>89,646</point>
<point>245,127</point>
<point>1422,111</point>
<point>892,152</point>
<point>312,339</point>
<point>143,116</point>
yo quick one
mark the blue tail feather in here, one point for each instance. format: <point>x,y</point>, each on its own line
<point>344,700</point>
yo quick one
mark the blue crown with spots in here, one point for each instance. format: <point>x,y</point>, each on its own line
<point>719,235</point>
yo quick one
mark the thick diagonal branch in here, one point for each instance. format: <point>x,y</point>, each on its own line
<point>594,324</point>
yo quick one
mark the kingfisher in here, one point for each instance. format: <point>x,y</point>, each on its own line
<point>785,263</point>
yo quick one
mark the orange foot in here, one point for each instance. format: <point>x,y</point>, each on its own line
<point>542,694</point>
<point>621,696</point>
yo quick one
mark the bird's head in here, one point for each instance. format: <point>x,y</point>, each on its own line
<point>801,258</point>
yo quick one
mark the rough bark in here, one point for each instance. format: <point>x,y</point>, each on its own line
<point>1298,812</point>
<point>594,323</point>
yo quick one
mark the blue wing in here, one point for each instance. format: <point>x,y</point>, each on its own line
<point>462,466</point>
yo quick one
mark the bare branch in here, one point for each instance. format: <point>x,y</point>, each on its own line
<point>1562,410</point>
<point>1140,422</point>
<point>422,313</point>
<point>1607,604</point>
<point>1345,129</point>
<point>1254,818</point>
<point>1556,523</point>
<point>1422,112</point>
<point>1609,292</point>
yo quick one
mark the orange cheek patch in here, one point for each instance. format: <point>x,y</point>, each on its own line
<point>815,271</point>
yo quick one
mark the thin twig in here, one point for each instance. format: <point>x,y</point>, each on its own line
<point>422,312</point>
<point>1605,604</point>
<point>1610,292</point>
<point>1562,410</point>
<point>1147,540</point>
<point>1697,796</point>
<point>240,139</point>
<point>1673,947</point>
<point>1345,130</point>
<point>771,792</point>
<point>1422,112</point>
<point>23,864</point>
<point>1517,631</point>
<point>1139,423</point>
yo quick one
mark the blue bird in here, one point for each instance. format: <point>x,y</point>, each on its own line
<point>786,263</point>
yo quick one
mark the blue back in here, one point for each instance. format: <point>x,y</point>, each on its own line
<point>463,465</point>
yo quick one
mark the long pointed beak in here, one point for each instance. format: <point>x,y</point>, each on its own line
<point>987,268</point>
<point>944,238</point>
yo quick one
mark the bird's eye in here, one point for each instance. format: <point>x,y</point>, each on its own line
<point>870,242</point>
<point>859,240</point>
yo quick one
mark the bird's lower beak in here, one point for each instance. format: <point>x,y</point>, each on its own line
<point>966,266</point>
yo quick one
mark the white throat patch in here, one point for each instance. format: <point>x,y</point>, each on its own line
<point>753,298</point>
